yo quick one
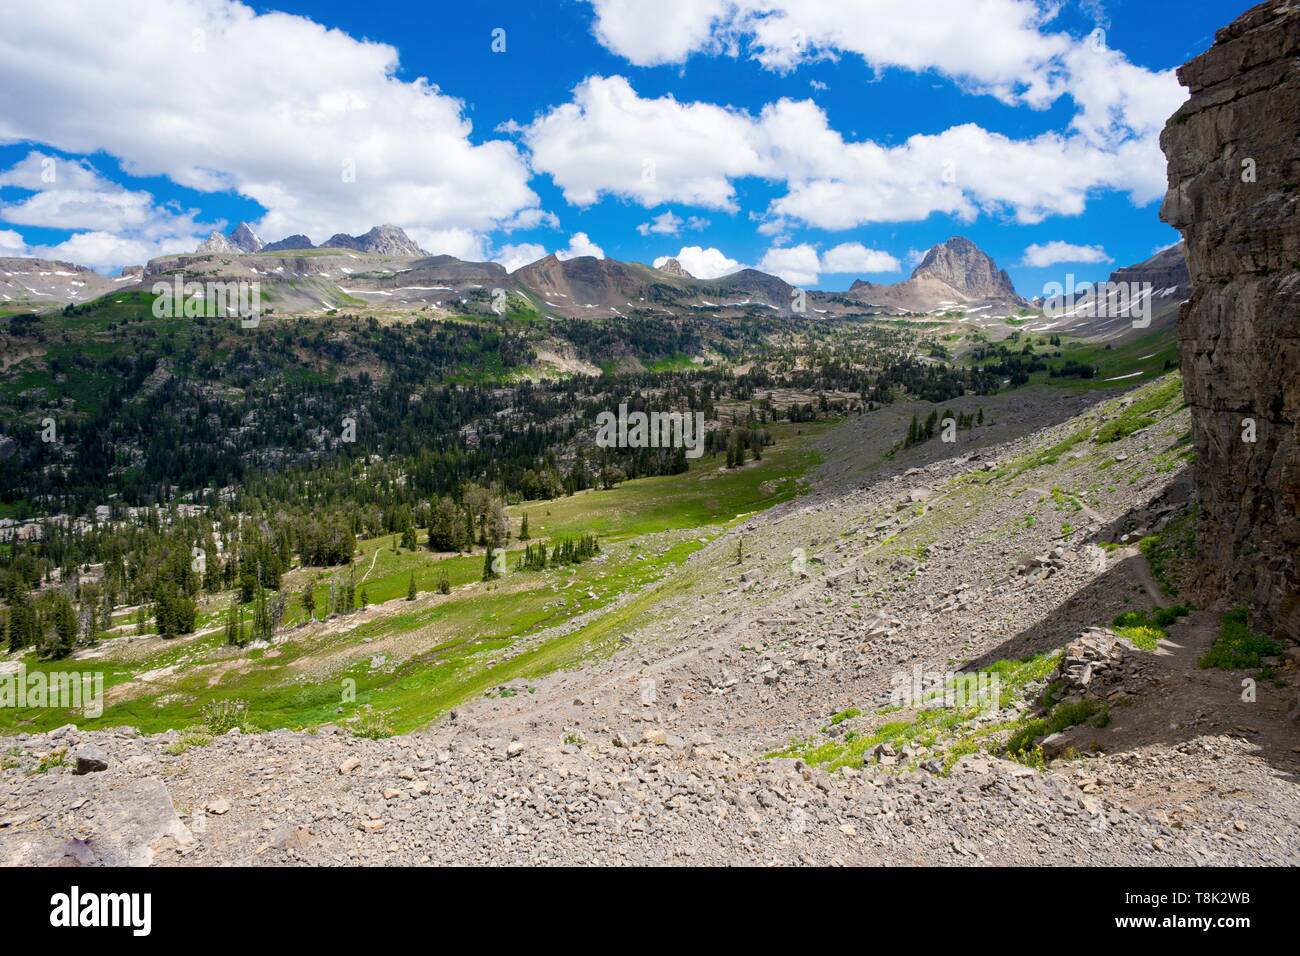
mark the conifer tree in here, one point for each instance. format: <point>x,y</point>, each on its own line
<point>309,600</point>
<point>235,623</point>
<point>22,618</point>
<point>261,616</point>
<point>61,637</point>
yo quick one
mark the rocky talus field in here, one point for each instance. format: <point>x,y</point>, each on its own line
<point>752,714</point>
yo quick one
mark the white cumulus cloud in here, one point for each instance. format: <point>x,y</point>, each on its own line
<point>665,31</point>
<point>666,224</point>
<point>12,244</point>
<point>994,46</point>
<point>464,244</point>
<point>857,258</point>
<point>703,263</point>
<point>610,141</point>
<point>1050,253</point>
<point>107,251</point>
<point>798,265</point>
<point>514,255</point>
<point>313,124</point>
<point>1003,48</point>
<point>122,225</point>
<point>580,244</point>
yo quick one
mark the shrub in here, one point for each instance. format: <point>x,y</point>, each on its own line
<point>222,716</point>
<point>1146,638</point>
<point>372,724</point>
<point>1166,616</point>
<point>1171,549</point>
<point>1236,646</point>
<point>195,739</point>
<point>844,715</point>
<point>55,758</point>
<point>1020,745</point>
<point>1145,630</point>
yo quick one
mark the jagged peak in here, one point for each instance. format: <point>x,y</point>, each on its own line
<point>674,268</point>
<point>243,237</point>
<point>968,269</point>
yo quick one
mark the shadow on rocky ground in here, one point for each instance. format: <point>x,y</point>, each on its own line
<point>1165,697</point>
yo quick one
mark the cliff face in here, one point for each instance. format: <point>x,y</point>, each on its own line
<point>1234,192</point>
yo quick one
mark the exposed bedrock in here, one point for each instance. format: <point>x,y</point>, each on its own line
<point>1234,192</point>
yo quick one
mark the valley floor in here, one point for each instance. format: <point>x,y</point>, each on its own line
<point>740,709</point>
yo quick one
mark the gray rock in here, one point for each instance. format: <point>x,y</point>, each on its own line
<point>90,758</point>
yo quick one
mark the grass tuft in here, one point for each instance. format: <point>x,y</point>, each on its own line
<point>1236,647</point>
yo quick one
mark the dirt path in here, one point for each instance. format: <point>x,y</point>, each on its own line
<point>1090,512</point>
<point>1142,570</point>
<point>373,559</point>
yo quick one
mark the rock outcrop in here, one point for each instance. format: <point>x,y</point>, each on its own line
<point>1234,166</point>
<point>674,268</point>
<point>381,241</point>
<point>296,241</point>
<point>966,267</point>
<point>215,245</point>
<point>42,284</point>
<point>240,240</point>
<point>245,239</point>
<point>954,274</point>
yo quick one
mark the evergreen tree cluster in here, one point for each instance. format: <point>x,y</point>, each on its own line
<point>568,551</point>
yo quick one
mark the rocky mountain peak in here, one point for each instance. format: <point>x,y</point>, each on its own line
<point>968,269</point>
<point>385,240</point>
<point>296,241</point>
<point>389,240</point>
<point>240,239</point>
<point>674,268</point>
<point>216,244</point>
<point>243,238</point>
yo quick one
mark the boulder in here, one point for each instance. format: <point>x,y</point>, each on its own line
<point>89,758</point>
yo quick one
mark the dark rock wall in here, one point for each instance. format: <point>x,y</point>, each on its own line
<point>1234,192</point>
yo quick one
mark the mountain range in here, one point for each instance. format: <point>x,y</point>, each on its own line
<point>386,240</point>
<point>385,271</point>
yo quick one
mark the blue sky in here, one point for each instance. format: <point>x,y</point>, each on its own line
<point>823,141</point>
